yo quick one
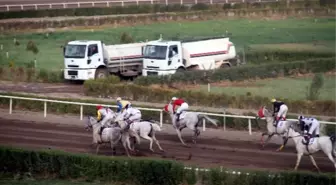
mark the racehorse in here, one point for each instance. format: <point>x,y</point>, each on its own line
<point>187,120</point>
<point>145,129</point>
<point>109,135</point>
<point>324,143</point>
<point>272,130</point>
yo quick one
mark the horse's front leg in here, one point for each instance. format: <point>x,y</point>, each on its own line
<point>285,140</point>
<point>180,137</point>
<point>196,133</point>
<point>97,149</point>
<point>267,140</point>
<point>262,138</point>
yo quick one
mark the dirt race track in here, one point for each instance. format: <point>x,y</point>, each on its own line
<point>208,152</point>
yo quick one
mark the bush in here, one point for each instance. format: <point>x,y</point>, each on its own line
<point>140,171</point>
<point>66,165</point>
<point>315,87</point>
<point>30,74</point>
<point>242,72</point>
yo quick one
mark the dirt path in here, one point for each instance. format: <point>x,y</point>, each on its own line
<point>215,148</point>
<point>76,91</point>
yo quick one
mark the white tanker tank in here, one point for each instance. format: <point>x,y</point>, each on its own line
<point>166,57</point>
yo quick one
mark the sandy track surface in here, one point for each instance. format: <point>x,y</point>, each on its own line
<point>214,148</point>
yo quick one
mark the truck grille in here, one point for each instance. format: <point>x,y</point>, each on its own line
<point>152,73</point>
<point>72,73</point>
<point>73,66</point>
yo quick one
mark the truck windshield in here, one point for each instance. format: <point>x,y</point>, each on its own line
<point>75,51</point>
<point>155,52</point>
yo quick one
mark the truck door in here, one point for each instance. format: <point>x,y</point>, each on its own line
<point>95,55</point>
<point>174,57</point>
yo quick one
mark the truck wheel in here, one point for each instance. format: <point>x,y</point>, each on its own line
<point>101,73</point>
<point>180,70</point>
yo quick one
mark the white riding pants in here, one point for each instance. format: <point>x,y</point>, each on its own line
<point>107,119</point>
<point>184,106</point>
<point>282,111</point>
<point>135,117</point>
<point>315,126</point>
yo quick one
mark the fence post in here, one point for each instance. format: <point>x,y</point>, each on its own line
<point>7,7</point>
<point>45,109</point>
<point>210,1</point>
<point>181,2</point>
<point>35,6</point>
<point>250,127</point>
<point>203,124</point>
<point>10,105</point>
<point>224,121</point>
<point>21,7</point>
<point>161,118</point>
<point>81,112</point>
<point>195,1</point>
<point>107,4</point>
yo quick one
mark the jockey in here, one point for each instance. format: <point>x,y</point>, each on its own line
<point>280,108</point>
<point>183,106</point>
<point>105,115</point>
<point>310,124</point>
<point>131,114</point>
<point>121,104</point>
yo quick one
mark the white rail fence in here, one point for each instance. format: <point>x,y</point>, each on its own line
<point>90,4</point>
<point>11,98</point>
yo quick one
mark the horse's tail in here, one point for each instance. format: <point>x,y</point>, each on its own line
<point>213,121</point>
<point>333,139</point>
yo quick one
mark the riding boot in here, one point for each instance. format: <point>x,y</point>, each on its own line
<point>101,130</point>
<point>178,116</point>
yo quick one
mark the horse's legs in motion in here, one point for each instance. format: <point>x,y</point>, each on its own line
<point>124,143</point>
<point>268,138</point>
<point>156,141</point>
<point>285,140</point>
<point>97,149</point>
<point>314,163</point>
<point>299,155</point>
<point>196,133</point>
<point>179,136</point>
<point>150,140</point>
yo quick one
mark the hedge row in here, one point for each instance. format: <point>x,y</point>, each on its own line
<point>270,70</point>
<point>275,56</point>
<point>139,171</point>
<point>140,19</point>
<point>137,9</point>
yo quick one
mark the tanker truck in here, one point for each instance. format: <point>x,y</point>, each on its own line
<point>85,60</point>
<point>168,57</point>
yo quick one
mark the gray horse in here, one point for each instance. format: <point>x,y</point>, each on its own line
<point>272,130</point>
<point>109,135</point>
<point>189,120</point>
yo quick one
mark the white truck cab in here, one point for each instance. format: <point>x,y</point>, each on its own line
<point>82,58</point>
<point>168,57</point>
<point>86,60</point>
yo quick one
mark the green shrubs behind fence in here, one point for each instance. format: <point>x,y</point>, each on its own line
<point>243,72</point>
<point>140,171</point>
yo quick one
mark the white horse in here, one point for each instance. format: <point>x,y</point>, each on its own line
<point>109,135</point>
<point>280,130</point>
<point>324,143</point>
<point>189,120</point>
<point>145,129</point>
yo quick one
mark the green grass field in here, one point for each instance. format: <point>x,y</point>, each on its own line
<point>291,88</point>
<point>47,182</point>
<point>242,32</point>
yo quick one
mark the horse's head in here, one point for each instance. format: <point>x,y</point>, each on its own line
<point>119,119</point>
<point>91,121</point>
<point>168,108</point>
